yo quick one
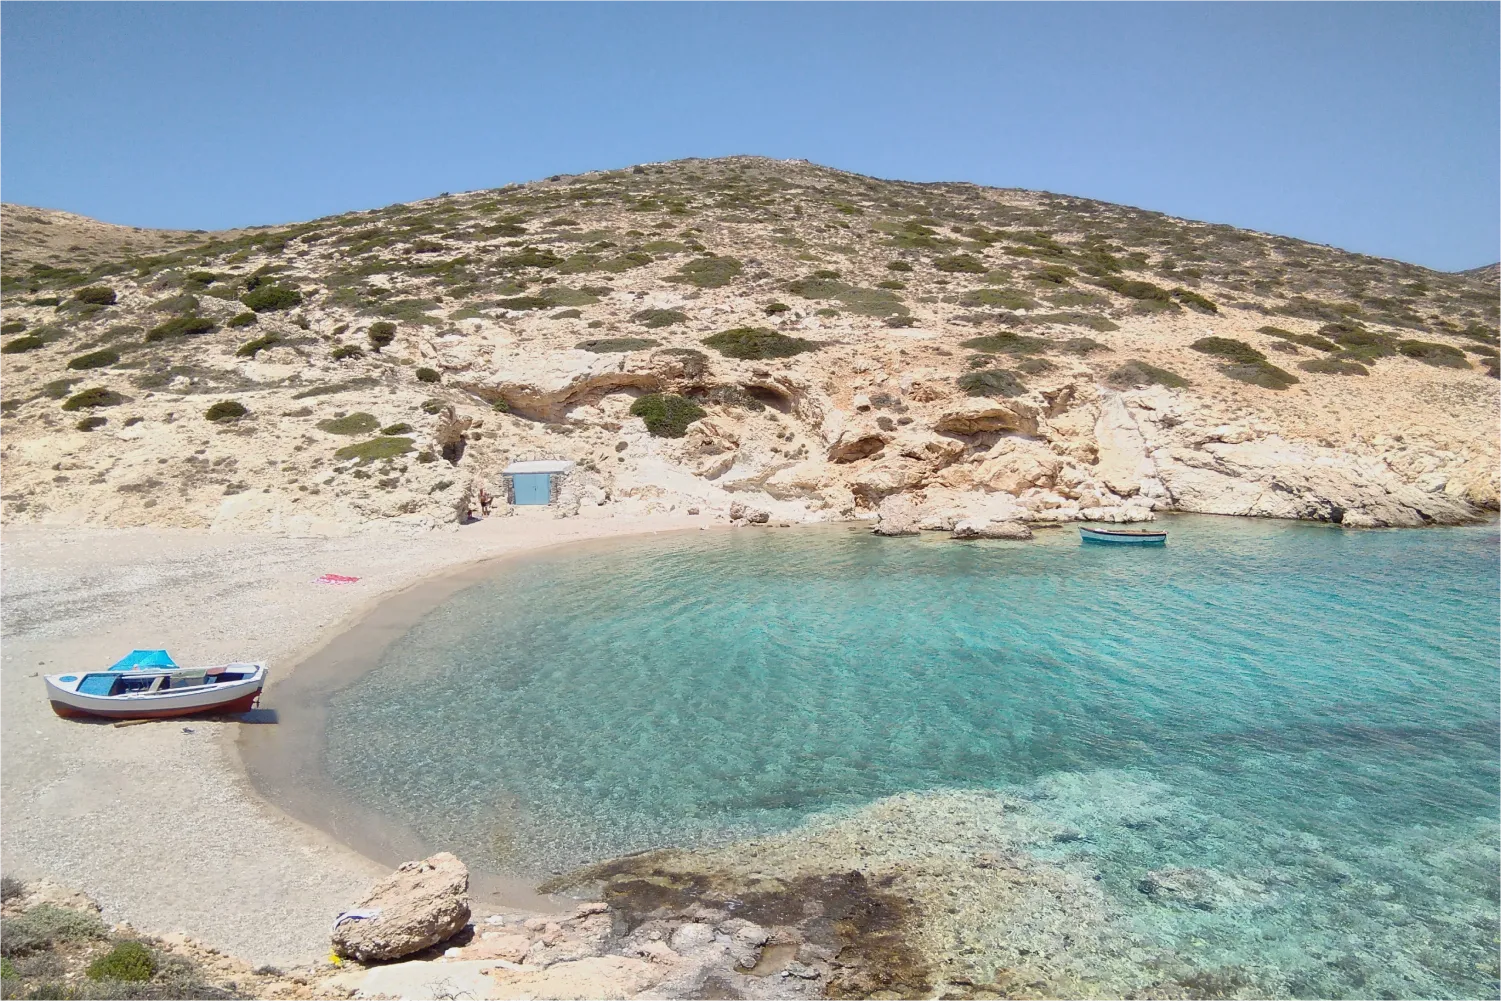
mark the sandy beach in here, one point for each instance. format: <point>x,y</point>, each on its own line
<point>158,821</point>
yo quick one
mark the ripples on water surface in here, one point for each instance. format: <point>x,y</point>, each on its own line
<point>1318,707</point>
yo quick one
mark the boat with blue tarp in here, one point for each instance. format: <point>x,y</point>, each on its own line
<point>149,684</point>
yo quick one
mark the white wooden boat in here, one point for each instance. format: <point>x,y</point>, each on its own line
<point>148,685</point>
<point>1118,536</point>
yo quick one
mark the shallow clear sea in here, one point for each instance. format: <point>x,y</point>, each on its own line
<point>1316,711</point>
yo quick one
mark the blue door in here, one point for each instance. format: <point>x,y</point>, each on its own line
<point>532,488</point>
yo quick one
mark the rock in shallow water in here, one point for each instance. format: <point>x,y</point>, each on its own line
<point>976,529</point>
<point>417,906</point>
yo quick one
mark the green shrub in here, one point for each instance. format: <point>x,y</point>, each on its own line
<point>1194,301</point>
<point>1053,274</point>
<point>185,304</point>
<point>427,375</point>
<point>96,295</point>
<point>1034,366</point>
<point>91,423</point>
<point>355,423</point>
<point>1139,373</point>
<point>817,287</point>
<point>1082,346</point>
<point>1135,289</point>
<point>401,428</point>
<point>1227,347</point>
<point>128,961</point>
<point>346,351</point>
<point>529,257</point>
<point>95,359</point>
<point>1332,366</point>
<point>751,343</point>
<point>7,969</point>
<point>271,298</point>
<point>250,348</point>
<point>525,302</point>
<point>708,272</point>
<point>181,326</point>
<point>666,415</point>
<point>613,345</point>
<point>1307,340</point>
<point>375,449</point>
<point>1007,342</point>
<point>900,321</point>
<point>1359,344</point>
<point>1073,298</point>
<point>892,284</point>
<point>1089,320</point>
<point>1259,373</point>
<point>240,320</point>
<point>47,301</point>
<point>28,343</point>
<point>46,925</point>
<point>566,314</point>
<point>658,318</point>
<point>433,406</point>
<point>11,888</point>
<point>90,398</point>
<point>1429,353</point>
<point>898,266</point>
<point>12,327</point>
<point>225,410</point>
<point>381,334</point>
<point>961,264</point>
<point>1004,298</point>
<point>201,279</point>
<point>992,382</point>
<point>772,309</point>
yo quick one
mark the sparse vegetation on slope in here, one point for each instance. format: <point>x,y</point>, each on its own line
<point>778,295</point>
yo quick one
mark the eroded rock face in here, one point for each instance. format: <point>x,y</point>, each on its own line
<point>975,416</point>
<point>417,906</point>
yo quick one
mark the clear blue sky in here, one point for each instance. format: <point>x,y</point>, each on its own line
<point>1372,127</point>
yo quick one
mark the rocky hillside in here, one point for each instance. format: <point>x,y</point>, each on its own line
<point>704,333</point>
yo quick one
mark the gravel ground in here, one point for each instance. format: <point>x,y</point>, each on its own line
<point>156,821</point>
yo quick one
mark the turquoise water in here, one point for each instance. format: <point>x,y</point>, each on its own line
<point>1312,709</point>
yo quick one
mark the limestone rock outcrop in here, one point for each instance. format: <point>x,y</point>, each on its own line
<point>417,906</point>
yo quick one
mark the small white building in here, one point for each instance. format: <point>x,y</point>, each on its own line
<point>536,481</point>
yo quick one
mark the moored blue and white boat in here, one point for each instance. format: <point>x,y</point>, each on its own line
<point>148,684</point>
<point>1121,536</point>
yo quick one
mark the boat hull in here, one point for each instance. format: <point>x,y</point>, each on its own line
<point>1122,538</point>
<point>242,704</point>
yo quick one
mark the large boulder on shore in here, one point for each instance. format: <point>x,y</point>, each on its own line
<point>417,906</point>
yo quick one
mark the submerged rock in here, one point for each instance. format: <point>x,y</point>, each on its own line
<point>417,906</point>
<point>1201,889</point>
